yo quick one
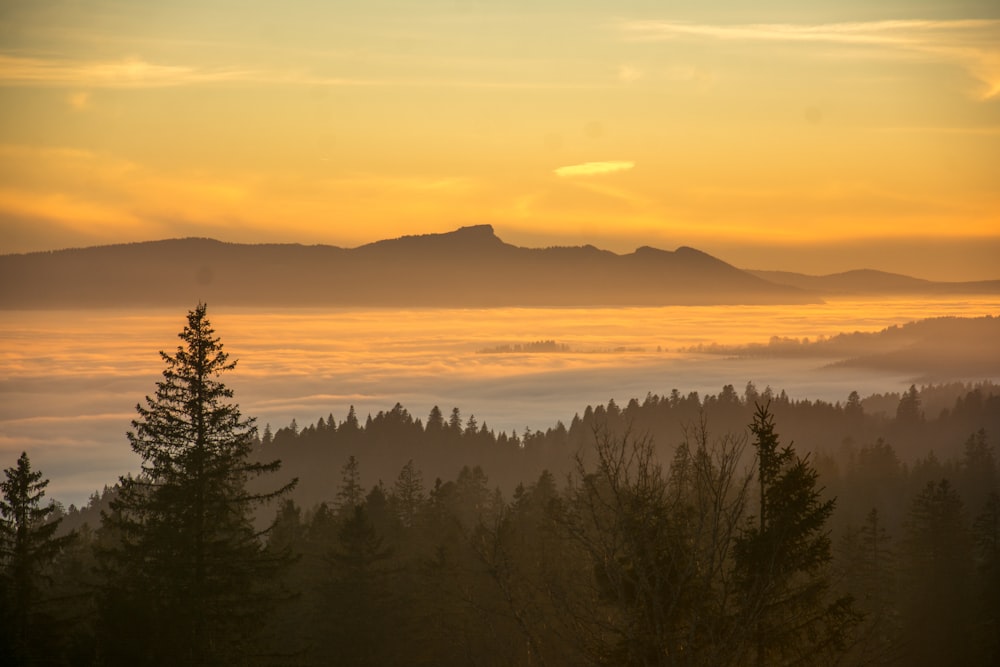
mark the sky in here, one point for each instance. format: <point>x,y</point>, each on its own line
<point>813,137</point>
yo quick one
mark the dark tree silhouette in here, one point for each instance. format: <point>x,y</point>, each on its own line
<point>408,494</point>
<point>783,557</point>
<point>28,543</point>
<point>350,494</point>
<point>645,576</point>
<point>357,605</point>
<point>938,563</point>
<point>908,412</point>
<point>868,567</point>
<point>187,574</point>
<point>986,533</point>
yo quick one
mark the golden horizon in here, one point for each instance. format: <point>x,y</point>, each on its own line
<point>849,136</point>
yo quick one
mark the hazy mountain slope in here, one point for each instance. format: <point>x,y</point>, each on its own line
<point>941,348</point>
<point>869,282</point>
<point>469,267</point>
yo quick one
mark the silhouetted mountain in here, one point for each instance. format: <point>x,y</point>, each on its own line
<point>869,282</point>
<point>469,267</point>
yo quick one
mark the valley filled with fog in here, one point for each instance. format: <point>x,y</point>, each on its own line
<point>70,379</point>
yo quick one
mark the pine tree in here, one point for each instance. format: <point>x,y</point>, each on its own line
<point>782,558</point>
<point>188,572</point>
<point>27,544</point>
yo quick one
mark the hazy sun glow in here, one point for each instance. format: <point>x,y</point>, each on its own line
<point>745,132</point>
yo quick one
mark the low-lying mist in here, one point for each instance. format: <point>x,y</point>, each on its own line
<point>69,380</point>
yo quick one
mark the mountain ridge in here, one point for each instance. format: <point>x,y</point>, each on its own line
<point>872,281</point>
<point>467,267</point>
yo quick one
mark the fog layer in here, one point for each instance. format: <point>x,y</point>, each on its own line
<point>69,380</point>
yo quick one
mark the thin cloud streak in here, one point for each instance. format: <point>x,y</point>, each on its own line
<point>989,131</point>
<point>972,44</point>
<point>594,168</point>
<point>139,73</point>
<point>124,73</point>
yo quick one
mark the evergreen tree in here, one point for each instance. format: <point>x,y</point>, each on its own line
<point>27,544</point>
<point>908,411</point>
<point>938,566</point>
<point>435,421</point>
<point>471,426</point>
<point>869,576</point>
<point>782,558</point>
<point>408,494</point>
<point>986,533</point>
<point>455,421</point>
<point>357,606</point>
<point>853,411</point>
<point>978,471</point>
<point>351,424</point>
<point>351,494</point>
<point>189,571</point>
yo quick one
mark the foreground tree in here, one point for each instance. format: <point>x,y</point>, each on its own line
<point>645,574</point>
<point>783,557</point>
<point>27,545</point>
<point>186,576</point>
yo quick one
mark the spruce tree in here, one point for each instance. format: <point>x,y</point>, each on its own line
<point>188,575</point>
<point>27,544</point>
<point>782,559</point>
<point>408,494</point>
<point>938,572</point>
<point>350,494</point>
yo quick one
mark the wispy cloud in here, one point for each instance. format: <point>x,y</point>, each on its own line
<point>986,130</point>
<point>16,70</point>
<point>124,73</point>
<point>594,168</point>
<point>971,44</point>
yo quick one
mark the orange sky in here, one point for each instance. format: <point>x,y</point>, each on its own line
<point>841,135</point>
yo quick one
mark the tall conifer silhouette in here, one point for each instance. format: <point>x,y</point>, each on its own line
<point>783,556</point>
<point>28,542</point>
<point>189,564</point>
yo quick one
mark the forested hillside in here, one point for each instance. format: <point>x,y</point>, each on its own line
<point>935,418</point>
<point>729,529</point>
<point>446,543</point>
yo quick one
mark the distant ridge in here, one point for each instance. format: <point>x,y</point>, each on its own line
<point>475,237</point>
<point>869,281</point>
<point>470,268</point>
<point>937,349</point>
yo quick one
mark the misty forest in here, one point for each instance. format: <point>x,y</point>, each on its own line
<point>737,528</point>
